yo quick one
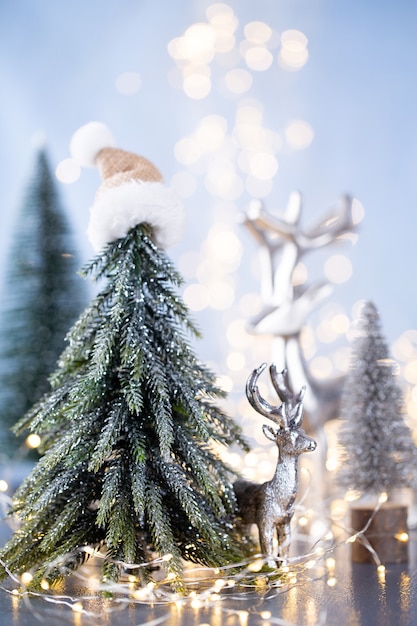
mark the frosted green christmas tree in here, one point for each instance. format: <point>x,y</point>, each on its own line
<point>378,452</point>
<point>41,299</point>
<point>128,427</point>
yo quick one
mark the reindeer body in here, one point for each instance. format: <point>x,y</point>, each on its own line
<point>270,505</point>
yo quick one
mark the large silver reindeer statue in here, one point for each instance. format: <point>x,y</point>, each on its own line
<point>282,243</point>
<point>270,505</point>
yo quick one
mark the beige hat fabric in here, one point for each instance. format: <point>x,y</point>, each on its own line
<point>132,191</point>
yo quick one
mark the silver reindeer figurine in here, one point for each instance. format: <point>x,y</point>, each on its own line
<point>271,505</point>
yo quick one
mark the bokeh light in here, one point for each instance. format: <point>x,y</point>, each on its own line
<point>197,85</point>
<point>258,58</point>
<point>299,134</point>
<point>338,268</point>
<point>293,54</point>
<point>238,80</point>
<point>196,297</point>
<point>68,171</point>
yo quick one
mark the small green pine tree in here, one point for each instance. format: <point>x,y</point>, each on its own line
<point>42,298</point>
<point>378,452</point>
<point>127,431</point>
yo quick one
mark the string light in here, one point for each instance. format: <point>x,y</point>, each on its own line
<point>33,441</point>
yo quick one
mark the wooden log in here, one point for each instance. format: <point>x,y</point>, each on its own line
<point>387,533</point>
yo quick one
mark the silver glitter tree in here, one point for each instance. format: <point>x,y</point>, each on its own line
<point>378,453</point>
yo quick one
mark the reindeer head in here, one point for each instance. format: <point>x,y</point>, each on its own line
<point>289,437</point>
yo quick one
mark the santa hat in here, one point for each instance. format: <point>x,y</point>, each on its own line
<point>132,191</point>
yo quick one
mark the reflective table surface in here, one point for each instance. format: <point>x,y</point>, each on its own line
<point>327,588</point>
<point>354,594</point>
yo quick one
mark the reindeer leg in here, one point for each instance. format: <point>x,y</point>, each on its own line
<point>284,536</point>
<point>266,541</point>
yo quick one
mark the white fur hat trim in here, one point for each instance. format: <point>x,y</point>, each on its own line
<point>118,209</point>
<point>87,142</point>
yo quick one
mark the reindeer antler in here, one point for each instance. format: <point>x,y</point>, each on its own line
<point>274,413</point>
<point>288,414</point>
<point>281,383</point>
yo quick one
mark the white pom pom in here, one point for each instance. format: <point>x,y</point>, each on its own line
<point>87,142</point>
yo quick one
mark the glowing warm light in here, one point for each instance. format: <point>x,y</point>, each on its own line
<point>197,86</point>
<point>221,296</point>
<point>331,581</point>
<point>225,40</point>
<point>381,573</point>
<point>325,332</point>
<point>338,268</point>
<point>340,323</point>
<point>237,334</point>
<point>187,150</point>
<point>236,361</point>
<point>251,459</point>
<point>352,495</point>
<point>225,383</point>
<point>198,41</point>
<point>44,585</point>
<point>383,497</point>
<point>293,54</point>
<point>196,297</point>
<point>128,83</point>
<point>238,80</point>
<point>68,171</point>
<point>263,165</point>
<point>222,180</point>
<point>410,372</point>
<point>33,441</point>
<point>412,412</point>
<point>257,32</point>
<point>250,114</point>
<point>211,132</point>
<point>338,509</point>
<point>330,563</point>
<point>220,14</point>
<point>3,486</point>
<point>299,134</point>
<point>403,537</point>
<point>256,565</point>
<point>292,59</point>
<point>26,578</point>
<point>77,607</point>
<point>303,521</point>
<point>332,463</point>
<point>294,39</point>
<point>258,58</point>
<point>266,614</point>
<point>224,245</point>
<point>321,367</point>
